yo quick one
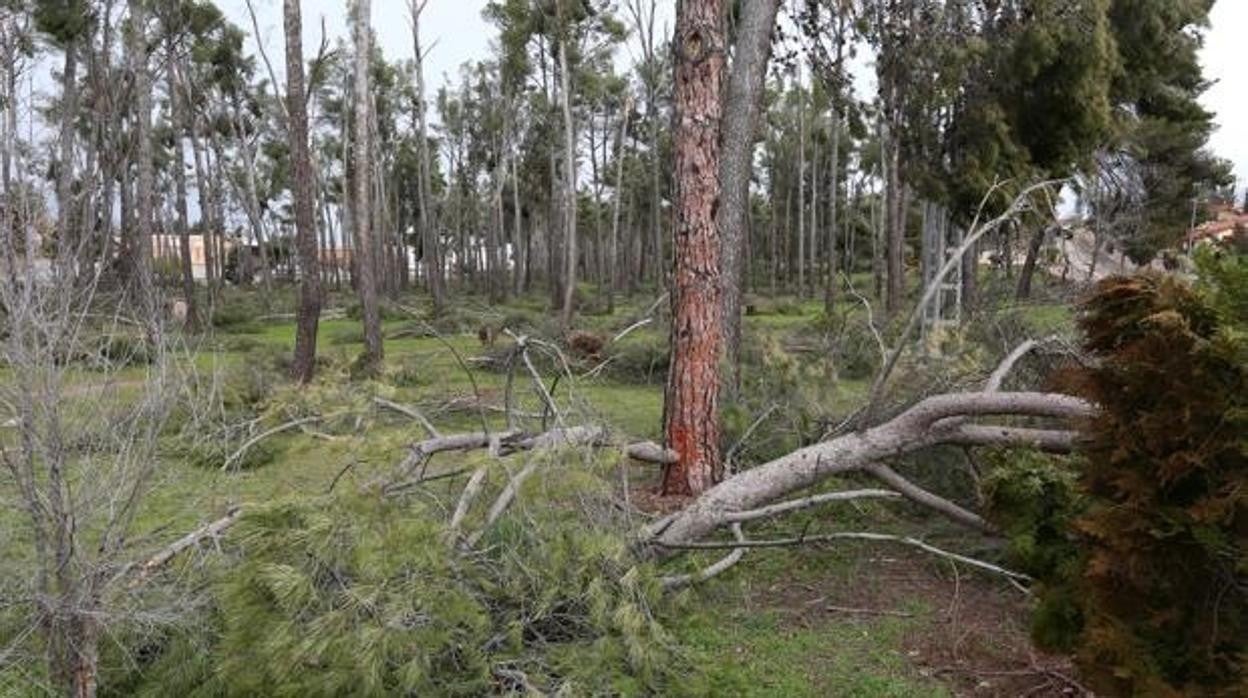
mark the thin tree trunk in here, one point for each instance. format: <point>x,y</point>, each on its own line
<point>613,273</point>
<point>569,186</point>
<point>304,365</point>
<point>1029,264</point>
<point>742,105</point>
<point>141,251</point>
<point>801,187</point>
<point>830,282</point>
<point>895,227</point>
<point>692,401</point>
<point>366,261</point>
<point>178,119</point>
<point>66,236</point>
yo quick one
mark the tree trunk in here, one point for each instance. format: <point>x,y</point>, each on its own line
<point>692,401</point>
<point>748,76</point>
<point>801,186</point>
<point>830,283</point>
<point>895,229</point>
<point>304,365</point>
<point>67,241</point>
<point>141,251</point>
<point>178,119</point>
<point>431,256</point>
<point>569,187</point>
<point>613,274</point>
<point>365,253</point>
<point>1029,264</point>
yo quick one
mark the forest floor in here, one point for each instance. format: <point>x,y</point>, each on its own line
<point>843,620</point>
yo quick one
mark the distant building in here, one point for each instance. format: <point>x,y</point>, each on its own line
<point>1225,221</point>
<point>169,247</point>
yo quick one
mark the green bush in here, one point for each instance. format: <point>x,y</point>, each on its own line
<point>641,360</point>
<point>1034,499</point>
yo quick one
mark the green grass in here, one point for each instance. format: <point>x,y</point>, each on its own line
<point>749,648</point>
<point>760,653</point>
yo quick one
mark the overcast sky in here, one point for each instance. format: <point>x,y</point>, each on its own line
<point>455,31</point>
<point>1224,59</point>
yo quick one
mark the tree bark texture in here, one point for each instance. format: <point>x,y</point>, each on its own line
<point>309,316</point>
<point>365,254</point>
<point>692,400</point>
<point>741,110</point>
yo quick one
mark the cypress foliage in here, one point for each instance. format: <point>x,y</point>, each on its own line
<point>1163,588</point>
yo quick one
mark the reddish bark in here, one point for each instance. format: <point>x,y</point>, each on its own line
<point>691,421</point>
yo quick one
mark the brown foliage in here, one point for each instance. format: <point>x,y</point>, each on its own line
<point>586,345</point>
<point>1163,583</point>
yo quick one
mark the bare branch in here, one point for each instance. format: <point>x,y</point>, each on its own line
<point>411,412</point>
<point>732,558</point>
<point>1047,440</point>
<point>237,455</point>
<point>808,502</point>
<point>161,558</point>
<point>919,495</point>
<point>471,490</point>
<point>828,537</point>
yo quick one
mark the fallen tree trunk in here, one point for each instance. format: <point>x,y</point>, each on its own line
<point>934,421</point>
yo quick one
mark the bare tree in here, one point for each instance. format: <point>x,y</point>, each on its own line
<point>304,365</point>
<point>83,457</point>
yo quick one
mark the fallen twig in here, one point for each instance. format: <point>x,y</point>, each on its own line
<point>161,558</point>
<point>411,412</point>
<point>682,580</point>
<point>234,457</point>
<point>868,611</point>
<point>827,537</point>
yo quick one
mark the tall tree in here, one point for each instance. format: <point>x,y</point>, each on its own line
<point>570,258</point>
<point>67,23</point>
<point>692,399</point>
<point>365,254</point>
<point>140,251</point>
<point>304,365</point>
<point>430,240</point>
<point>742,103</point>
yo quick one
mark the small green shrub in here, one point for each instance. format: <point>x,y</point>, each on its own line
<point>642,360</point>
<point>347,335</point>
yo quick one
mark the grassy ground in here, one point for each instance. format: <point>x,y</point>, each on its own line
<point>773,627</point>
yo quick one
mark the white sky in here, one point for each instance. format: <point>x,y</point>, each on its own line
<point>1224,61</point>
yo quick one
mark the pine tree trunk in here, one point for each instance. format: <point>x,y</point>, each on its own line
<point>692,400</point>
<point>365,248</point>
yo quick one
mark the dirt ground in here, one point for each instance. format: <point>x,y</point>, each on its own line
<point>972,635</point>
